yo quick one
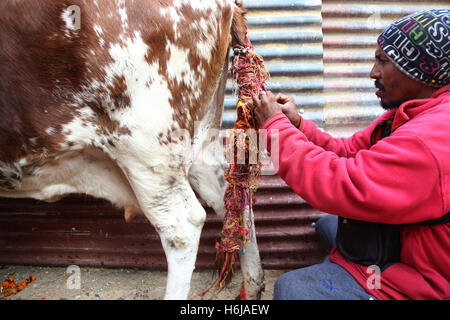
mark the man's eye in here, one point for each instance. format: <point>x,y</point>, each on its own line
<point>380,60</point>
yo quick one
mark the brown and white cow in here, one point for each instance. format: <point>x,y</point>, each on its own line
<point>116,99</point>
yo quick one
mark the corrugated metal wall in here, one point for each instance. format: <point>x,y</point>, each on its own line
<point>350,29</point>
<point>89,232</point>
<point>288,34</point>
<point>321,52</point>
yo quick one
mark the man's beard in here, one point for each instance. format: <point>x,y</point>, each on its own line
<point>389,105</point>
<point>386,105</point>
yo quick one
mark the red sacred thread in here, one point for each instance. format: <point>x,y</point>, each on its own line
<point>250,75</point>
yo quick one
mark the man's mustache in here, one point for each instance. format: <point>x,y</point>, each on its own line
<point>379,85</point>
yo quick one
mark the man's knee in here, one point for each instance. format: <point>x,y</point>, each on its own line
<point>280,290</point>
<point>293,285</point>
<point>326,228</point>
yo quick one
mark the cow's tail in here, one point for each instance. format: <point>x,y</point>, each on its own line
<point>250,75</point>
<point>239,25</point>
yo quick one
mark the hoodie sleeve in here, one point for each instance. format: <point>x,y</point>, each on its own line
<point>381,184</point>
<point>343,147</point>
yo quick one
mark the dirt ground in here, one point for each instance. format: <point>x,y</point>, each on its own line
<point>114,284</point>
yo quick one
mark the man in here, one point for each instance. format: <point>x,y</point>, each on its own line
<point>389,183</point>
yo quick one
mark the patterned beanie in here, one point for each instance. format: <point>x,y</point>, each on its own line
<point>419,45</point>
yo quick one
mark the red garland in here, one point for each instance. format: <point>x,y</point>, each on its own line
<point>250,75</point>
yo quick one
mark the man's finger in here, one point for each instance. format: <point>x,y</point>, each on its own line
<point>256,101</point>
<point>282,98</point>
<point>264,95</point>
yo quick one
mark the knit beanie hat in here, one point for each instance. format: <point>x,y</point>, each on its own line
<point>419,45</point>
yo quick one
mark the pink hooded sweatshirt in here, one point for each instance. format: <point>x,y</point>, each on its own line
<point>401,179</point>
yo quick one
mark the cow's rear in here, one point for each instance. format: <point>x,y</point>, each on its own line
<point>117,99</point>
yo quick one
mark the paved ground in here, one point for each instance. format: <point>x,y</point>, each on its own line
<point>114,284</point>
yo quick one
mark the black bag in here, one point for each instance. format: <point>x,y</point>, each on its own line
<point>370,243</point>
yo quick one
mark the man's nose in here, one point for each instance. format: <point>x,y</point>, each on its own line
<point>375,72</point>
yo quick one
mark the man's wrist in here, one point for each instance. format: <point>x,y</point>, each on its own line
<point>273,118</point>
<point>299,122</point>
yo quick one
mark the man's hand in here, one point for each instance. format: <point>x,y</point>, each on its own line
<point>289,108</point>
<point>268,104</point>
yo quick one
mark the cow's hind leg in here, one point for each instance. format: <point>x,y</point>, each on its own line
<point>180,237</point>
<point>168,201</point>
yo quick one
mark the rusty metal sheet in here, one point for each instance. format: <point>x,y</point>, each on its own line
<point>89,232</point>
<point>288,35</point>
<point>350,29</point>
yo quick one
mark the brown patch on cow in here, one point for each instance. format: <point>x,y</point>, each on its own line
<point>124,131</point>
<point>215,66</point>
<point>184,97</point>
<point>42,70</point>
<point>162,139</point>
<point>160,32</point>
<point>107,127</point>
<point>172,181</point>
<point>111,143</point>
<point>118,93</point>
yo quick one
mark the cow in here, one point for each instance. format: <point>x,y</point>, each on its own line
<point>116,99</point>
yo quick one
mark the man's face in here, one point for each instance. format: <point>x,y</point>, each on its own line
<point>394,87</point>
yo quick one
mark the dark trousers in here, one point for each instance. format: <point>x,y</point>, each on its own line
<point>324,281</point>
<point>326,228</point>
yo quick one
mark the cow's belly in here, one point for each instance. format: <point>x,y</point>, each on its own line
<point>89,172</point>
